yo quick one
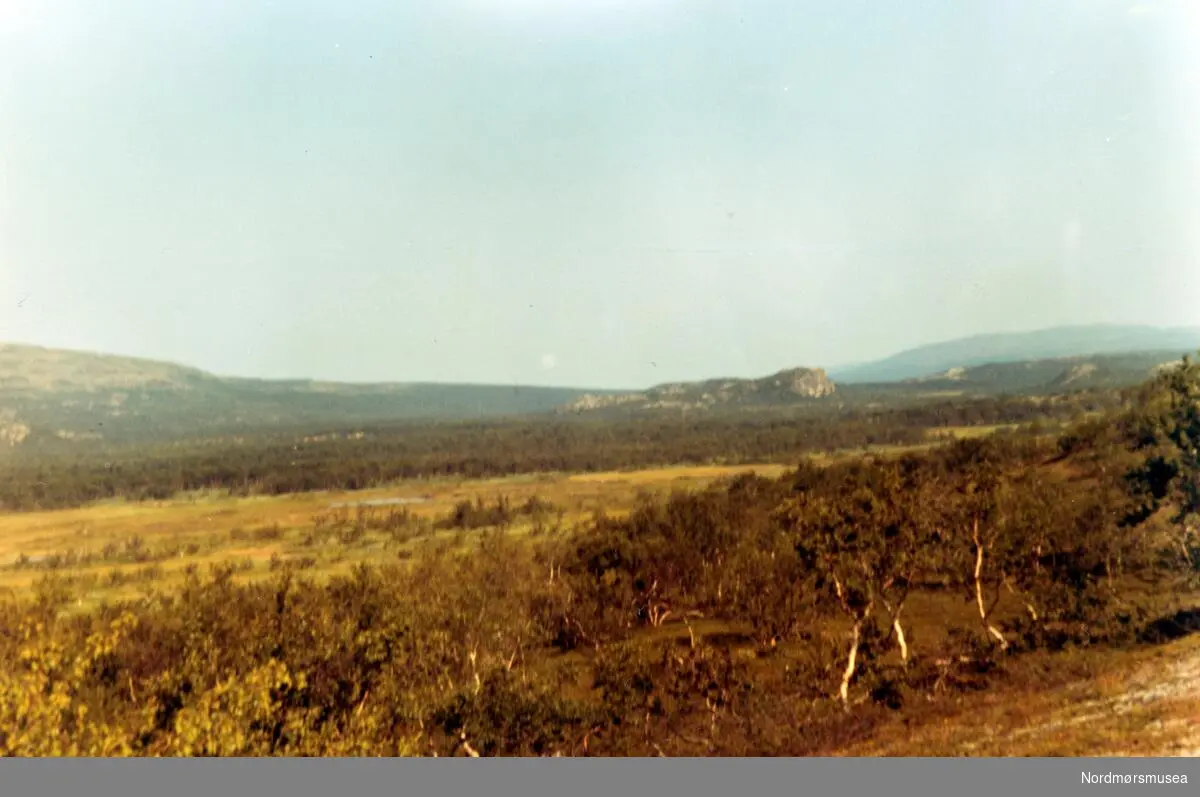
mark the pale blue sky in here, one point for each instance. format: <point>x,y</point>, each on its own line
<point>601,192</point>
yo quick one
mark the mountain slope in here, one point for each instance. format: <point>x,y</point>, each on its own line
<point>54,397</point>
<point>34,369</point>
<point>1052,375</point>
<point>1071,341</point>
<point>76,395</point>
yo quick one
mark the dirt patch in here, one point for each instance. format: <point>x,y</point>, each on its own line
<point>1152,710</point>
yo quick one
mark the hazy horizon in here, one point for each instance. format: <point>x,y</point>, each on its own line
<point>834,369</point>
<point>616,195</point>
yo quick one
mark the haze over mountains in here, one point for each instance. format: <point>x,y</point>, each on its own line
<point>1056,342</point>
<point>74,396</point>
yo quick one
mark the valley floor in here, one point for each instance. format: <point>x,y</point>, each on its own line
<point>1139,702</point>
<point>152,543</point>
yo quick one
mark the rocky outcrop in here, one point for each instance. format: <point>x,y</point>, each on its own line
<point>789,386</point>
<point>13,434</point>
<point>806,382</point>
<point>1075,373</point>
<point>589,401</point>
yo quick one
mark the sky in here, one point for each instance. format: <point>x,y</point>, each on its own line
<point>603,193</point>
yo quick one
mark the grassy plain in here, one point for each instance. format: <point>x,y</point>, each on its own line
<point>209,528</point>
<point>150,544</point>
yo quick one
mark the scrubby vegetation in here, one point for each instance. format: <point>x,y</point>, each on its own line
<point>788,616</point>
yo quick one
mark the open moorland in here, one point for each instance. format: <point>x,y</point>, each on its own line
<point>1024,583</point>
<point>118,549</point>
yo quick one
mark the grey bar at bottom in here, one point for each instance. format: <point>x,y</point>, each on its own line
<point>712,777</point>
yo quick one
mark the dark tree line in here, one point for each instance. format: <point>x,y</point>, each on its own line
<point>302,461</point>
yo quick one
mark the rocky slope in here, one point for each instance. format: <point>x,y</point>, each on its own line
<point>786,387</point>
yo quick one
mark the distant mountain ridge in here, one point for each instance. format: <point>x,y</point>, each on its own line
<point>63,397</point>
<point>71,395</point>
<point>1052,343</point>
<point>1050,375</point>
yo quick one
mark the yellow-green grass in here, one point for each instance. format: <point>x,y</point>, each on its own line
<point>204,529</point>
<point>969,432</point>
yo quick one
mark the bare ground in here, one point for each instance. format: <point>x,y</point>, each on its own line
<point>1148,708</point>
<point>1142,702</point>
